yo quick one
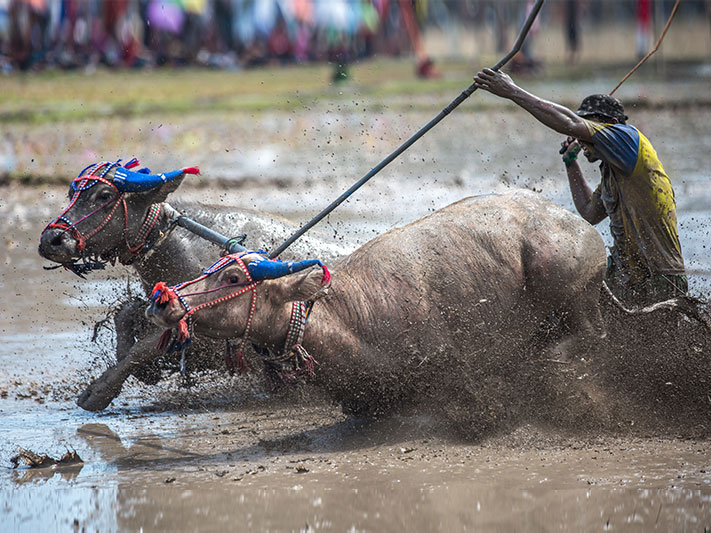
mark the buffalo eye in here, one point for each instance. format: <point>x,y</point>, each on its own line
<point>105,196</point>
<point>234,278</point>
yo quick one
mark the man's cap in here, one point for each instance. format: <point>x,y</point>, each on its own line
<point>603,105</point>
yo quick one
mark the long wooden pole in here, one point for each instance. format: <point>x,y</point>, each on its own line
<point>431,124</point>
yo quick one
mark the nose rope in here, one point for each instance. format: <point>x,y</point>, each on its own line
<point>67,226</point>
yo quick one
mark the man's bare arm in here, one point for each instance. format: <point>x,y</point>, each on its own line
<point>588,205</point>
<point>555,116</point>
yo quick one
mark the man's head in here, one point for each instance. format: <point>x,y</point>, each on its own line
<point>602,108</point>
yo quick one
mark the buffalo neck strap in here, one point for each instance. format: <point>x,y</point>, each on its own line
<point>293,354</point>
<point>297,325</point>
<point>139,245</point>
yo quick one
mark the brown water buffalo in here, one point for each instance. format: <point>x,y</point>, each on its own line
<point>467,285</point>
<point>85,231</point>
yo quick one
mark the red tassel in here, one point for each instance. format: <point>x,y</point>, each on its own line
<point>309,363</point>
<point>307,360</point>
<point>81,242</point>
<point>326,276</point>
<point>183,333</point>
<point>242,364</point>
<point>164,340</point>
<point>165,295</point>
<point>191,170</point>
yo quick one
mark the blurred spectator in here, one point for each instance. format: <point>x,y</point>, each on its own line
<point>36,34</point>
<point>644,27</point>
<point>166,18</point>
<point>572,31</point>
<point>524,62</point>
<point>425,66</point>
<point>193,28</point>
<point>4,36</point>
<point>221,33</point>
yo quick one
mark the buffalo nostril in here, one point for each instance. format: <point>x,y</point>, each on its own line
<point>56,240</point>
<point>153,309</point>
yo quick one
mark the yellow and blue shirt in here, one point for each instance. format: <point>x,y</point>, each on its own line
<point>639,200</point>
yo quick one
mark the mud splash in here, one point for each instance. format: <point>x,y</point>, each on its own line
<point>581,439</point>
<point>595,438</point>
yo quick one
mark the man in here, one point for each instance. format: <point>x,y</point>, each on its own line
<point>645,263</point>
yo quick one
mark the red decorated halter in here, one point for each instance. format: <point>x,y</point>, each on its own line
<point>89,177</point>
<point>293,351</point>
<point>164,294</point>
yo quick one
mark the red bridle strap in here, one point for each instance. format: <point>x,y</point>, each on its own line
<point>149,222</point>
<point>165,294</point>
<point>61,222</point>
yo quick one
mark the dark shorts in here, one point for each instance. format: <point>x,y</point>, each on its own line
<point>653,289</point>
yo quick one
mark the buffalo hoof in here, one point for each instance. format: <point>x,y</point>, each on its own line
<point>97,396</point>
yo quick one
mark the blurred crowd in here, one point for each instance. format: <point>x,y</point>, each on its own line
<point>36,34</point>
<point>220,33</point>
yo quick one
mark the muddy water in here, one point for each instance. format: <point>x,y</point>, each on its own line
<point>224,456</point>
<point>180,474</point>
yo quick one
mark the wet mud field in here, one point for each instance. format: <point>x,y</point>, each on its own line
<point>621,444</point>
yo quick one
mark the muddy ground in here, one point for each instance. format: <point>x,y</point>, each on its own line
<point>628,452</point>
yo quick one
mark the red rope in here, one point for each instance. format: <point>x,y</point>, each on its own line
<point>164,294</point>
<point>81,184</point>
<point>297,320</point>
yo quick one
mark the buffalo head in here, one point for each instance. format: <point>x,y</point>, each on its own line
<point>111,212</point>
<point>241,295</point>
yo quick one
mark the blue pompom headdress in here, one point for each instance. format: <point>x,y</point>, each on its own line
<point>265,268</point>
<point>262,267</point>
<point>126,180</point>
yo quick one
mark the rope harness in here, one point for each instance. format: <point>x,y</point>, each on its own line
<point>87,178</point>
<point>293,353</point>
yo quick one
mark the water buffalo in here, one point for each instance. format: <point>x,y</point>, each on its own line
<point>126,220</point>
<point>468,284</point>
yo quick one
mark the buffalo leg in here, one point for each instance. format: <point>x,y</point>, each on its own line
<point>100,392</point>
<point>131,325</point>
<point>585,318</point>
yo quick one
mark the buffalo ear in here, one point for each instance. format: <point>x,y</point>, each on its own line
<point>304,286</point>
<point>159,194</point>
